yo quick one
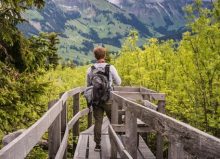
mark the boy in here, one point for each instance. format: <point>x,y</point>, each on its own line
<point>98,111</point>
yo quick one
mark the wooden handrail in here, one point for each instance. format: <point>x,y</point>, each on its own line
<point>117,144</point>
<point>182,137</point>
<point>71,123</point>
<point>23,144</point>
<point>193,140</point>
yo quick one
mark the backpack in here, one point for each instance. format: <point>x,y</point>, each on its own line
<point>100,90</point>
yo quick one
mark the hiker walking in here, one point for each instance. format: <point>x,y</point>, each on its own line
<point>100,78</point>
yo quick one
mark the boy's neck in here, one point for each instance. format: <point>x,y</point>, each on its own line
<point>101,61</point>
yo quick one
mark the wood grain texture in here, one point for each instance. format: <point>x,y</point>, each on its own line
<point>126,89</point>
<point>114,112</point>
<point>159,152</point>
<point>54,135</point>
<point>81,148</point>
<point>121,128</point>
<point>93,154</point>
<point>131,133</point>
<point>22,145</point>
<point>62,149</point>
<point>64,97</point>
<point>150,105</point>
<point>106,147</point>
<point>76,105</point>
<point>189,136</point>
<point>117,145</point>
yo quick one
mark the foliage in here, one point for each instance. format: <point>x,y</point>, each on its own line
<point>22,62</point>
<point>188,72</point>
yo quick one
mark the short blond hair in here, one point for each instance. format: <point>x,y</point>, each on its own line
<point>99,52</point>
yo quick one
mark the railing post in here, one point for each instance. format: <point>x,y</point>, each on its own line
<point>54,134</point>
<point>131,133</point>
<point>63,123</point>
<point>159,153</point>
<point>76,105</point>
<point>175,149</point>
<point>113,150</point>
<point>114,120</point>
<point>114,112</point>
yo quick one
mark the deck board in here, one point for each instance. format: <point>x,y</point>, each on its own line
<point>143,150</point>
<point>86,144</point>
<point>106,147</point>
<point>93,154</point>
<point>80,152</point>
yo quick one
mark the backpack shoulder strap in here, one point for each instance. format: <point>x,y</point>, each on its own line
<point>93,68</point>
<point>107,70</point>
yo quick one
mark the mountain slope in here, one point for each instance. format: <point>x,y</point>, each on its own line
<point>165,16</point>
<point>84,24</point>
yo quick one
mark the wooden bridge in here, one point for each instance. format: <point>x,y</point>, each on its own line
<point>134,116</point>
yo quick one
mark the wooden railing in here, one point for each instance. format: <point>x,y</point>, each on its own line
<point>184,140</point>
<point>55,121</point>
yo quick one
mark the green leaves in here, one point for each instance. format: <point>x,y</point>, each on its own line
<point>188,72</point>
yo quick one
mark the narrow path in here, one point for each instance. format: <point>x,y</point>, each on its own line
<point>86,145</point>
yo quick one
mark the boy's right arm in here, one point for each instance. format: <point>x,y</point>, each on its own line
<point>115,77</point>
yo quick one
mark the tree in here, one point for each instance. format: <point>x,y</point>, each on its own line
<point>188,73</point>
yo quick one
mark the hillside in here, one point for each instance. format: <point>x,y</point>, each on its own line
<point>83,25</point>
<point>167,17</point>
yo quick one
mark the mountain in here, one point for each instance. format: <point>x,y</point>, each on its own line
<point>83,24</point>
<point>167,17</point>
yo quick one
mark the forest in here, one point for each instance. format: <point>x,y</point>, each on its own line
<point>188,71</point>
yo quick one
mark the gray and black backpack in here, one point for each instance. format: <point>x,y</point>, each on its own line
<point>101,86</point>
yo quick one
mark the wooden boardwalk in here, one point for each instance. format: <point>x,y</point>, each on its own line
<point>86,145</point>
<point>132,112</point>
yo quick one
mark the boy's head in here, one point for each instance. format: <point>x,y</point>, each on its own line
<point>99,52</point>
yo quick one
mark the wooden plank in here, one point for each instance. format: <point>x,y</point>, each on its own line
<point>121,128</point>
<point>209,146</point>
<point>63,97</point>
<point>75,131</point>
<point>142,95</point>
<point>141,123</point>
<point>77,116</point>
<point>131,95</point>
<point>126,89</point>
<point>54,134</point>
<point>82,147</point>
<point>105,125</point>
<point>62,149</point>
<point>150,105</point>
<point>116,145</point>
<point>144,150</point>
<point>175,150</point>
<point>114,112</point>
<point>75,91</point>
<point>106,147</point>
<point>159,152</point>
<point>154,96</point>
<point>22,145</point>
<point>131,133</point>
<point>93,154</point>
<point>146,90</point>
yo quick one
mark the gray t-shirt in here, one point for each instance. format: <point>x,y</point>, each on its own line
<point>114,78</point>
